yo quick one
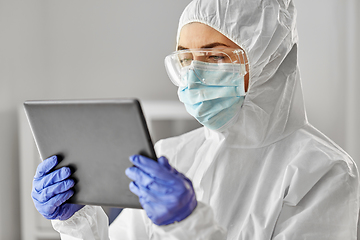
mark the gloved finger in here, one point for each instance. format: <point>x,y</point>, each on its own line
<point>134,189</point>
<point>45,166</point>
<point>144,193</point>
<point>50,213</point>
<point>157,197</point>
<point>161,199</point>
<point>156,212</point>
<point>45,194</point>
<point>151,167</point>
<point>154,184</point>
<point>67,210</point>
<point>139,176</point>
<point>147,207</point>
<point>59,199</point>
<point>157,187</point>
<point>52,178</point>
<point>48,208</point>
<point>146,164</point>
<point>145,180</point>
<point>164,162</point>
<point>146,203</point>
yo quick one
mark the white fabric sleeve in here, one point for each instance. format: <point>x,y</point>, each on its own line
<point>199,225</point>
<point>131,224</point>
<point>89,223</point>
<point>329,210</point>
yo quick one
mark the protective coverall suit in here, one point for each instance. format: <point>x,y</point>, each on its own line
<point>269,174</point>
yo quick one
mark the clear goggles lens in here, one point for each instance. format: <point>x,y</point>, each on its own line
<point>210,66</point>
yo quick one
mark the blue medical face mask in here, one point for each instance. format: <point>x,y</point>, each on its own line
<point>216,104</point>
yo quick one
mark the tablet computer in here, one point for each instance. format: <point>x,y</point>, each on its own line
<point>95,138</point>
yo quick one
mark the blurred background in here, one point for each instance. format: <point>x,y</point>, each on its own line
<point>109,49</point>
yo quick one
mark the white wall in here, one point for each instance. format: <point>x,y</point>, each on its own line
<point>321,58</point>
<point>329,59</point>
<point>94,49</point>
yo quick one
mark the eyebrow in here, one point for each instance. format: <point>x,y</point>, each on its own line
<point>210,45</point>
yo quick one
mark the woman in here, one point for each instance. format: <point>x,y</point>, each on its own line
<point>258,168</point>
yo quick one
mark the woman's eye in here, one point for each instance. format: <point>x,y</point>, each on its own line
<point>216,58</point>
<point>185,61</point>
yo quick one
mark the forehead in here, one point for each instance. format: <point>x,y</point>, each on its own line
<point>197,35</point>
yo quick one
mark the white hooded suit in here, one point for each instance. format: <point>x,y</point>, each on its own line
<point>269,174</point>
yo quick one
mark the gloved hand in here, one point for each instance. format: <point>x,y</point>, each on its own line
<point>166,195</point>
<point>51,190</point>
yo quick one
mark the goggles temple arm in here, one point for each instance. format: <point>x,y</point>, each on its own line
<point>242,60</point>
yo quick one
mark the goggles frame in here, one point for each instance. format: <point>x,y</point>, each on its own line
<point>176,62</point>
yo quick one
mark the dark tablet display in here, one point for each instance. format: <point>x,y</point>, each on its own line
<point>95,138</point>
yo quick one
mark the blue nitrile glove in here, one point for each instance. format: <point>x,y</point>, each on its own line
<point>51,190</point>
<point>166,195</point>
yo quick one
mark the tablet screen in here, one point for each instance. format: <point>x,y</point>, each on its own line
<point>95,138</point>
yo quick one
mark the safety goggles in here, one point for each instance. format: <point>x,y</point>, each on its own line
<point>208,65</point>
